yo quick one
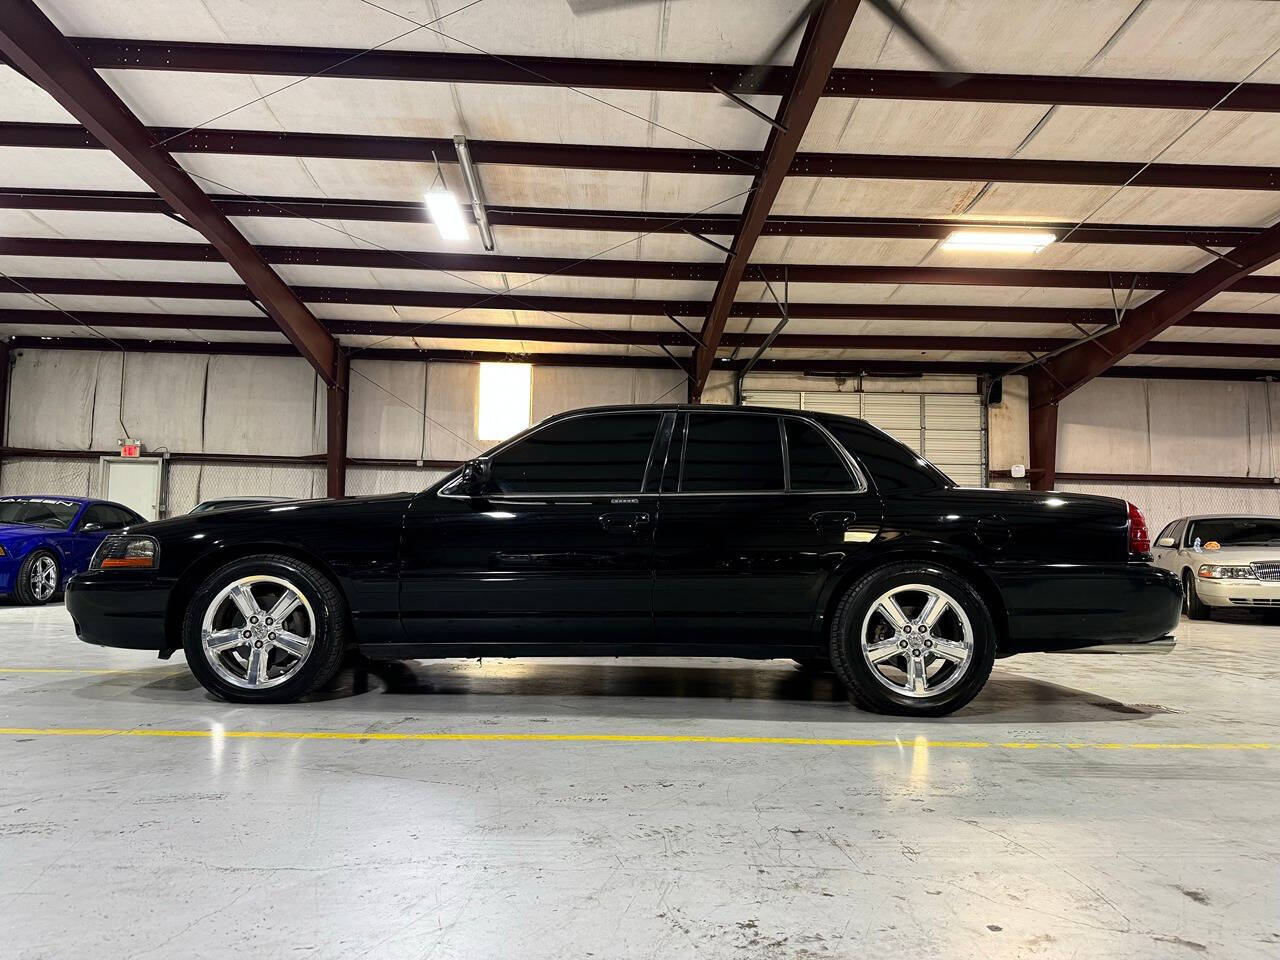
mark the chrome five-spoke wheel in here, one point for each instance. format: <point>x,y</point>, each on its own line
<point>257,632</point>
<point>917,640</point>
<point>44,577</point>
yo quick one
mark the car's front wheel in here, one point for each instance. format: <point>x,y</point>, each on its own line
<point>1195,608</point>
<point>38,578</point>
<point>265,629</point>
<point>913,640</point>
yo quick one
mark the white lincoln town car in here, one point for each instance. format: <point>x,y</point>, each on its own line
<point>1231,561</point>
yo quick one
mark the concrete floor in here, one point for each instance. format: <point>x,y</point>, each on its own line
<point>944,842</point>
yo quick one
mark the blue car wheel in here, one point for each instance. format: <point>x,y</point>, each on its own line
<point>38,578</point>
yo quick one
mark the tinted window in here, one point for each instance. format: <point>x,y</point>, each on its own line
<point>728,452</point>
<point>599,454</point>
<point>103,517</point>
<point>893,467</point>
<point>1167,531</point>
<point>814,464</point>
<point>125,517</point>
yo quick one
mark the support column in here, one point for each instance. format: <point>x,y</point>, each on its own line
<point>4,394</point>
<point>1043,426</point>
<point>339,399</point>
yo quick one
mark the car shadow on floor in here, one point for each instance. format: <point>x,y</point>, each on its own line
<point>542,689</point>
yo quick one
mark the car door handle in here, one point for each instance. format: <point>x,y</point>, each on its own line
<point>625,522</point>
<point>833,519</point>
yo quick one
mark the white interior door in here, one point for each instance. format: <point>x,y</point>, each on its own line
<point>135,482</point>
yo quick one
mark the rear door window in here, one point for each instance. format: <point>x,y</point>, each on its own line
<point>732,453</point>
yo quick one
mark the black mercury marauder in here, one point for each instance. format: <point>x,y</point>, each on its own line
<point>671,531</point>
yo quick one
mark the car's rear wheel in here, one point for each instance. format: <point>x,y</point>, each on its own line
<point>265,629</point>
<point>913,640</point>
<point>1194,607</point>
<point>38,578</point>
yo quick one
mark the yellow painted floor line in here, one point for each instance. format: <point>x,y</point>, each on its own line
<point>608,738</point>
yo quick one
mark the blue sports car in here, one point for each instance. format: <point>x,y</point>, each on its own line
<point>46,539</point>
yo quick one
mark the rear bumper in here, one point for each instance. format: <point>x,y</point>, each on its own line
<point>119,609</point>
<point>1075,606</point>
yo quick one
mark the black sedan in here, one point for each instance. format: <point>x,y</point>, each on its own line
<point>665,531</point>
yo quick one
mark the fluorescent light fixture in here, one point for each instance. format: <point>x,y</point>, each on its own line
<point>505,393</point>
<point>474,191</point>
<point>446,214</point>
<point>1006,241</point>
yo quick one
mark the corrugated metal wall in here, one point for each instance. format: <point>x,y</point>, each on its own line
<point>941,418</point>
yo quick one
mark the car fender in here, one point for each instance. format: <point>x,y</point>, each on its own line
<point>913,549</point>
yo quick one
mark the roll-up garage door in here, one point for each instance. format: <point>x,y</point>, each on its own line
<point>946,428</point>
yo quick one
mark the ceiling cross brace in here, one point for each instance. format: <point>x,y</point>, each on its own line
<point>750,108</point>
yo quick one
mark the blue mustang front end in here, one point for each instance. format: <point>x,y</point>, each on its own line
<point>46,539</point>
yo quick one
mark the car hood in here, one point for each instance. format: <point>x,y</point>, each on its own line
<point>261,514</point>
<point>1236,555</point>
<point>12,531</point>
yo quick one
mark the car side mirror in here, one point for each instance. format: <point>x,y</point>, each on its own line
<point>91,528</point>
<point>476,475</point>
<point>1166,542</point>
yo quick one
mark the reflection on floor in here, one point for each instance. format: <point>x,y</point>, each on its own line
<point>214,846</point>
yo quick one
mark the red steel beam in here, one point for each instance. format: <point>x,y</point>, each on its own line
<point>819,46</point>
<point>1072,369</point>
<point>666,159</point>
<point>585,335</point>
<point>923,313</point>
<point>337,408</point>
<point>626,221</point>
<point>275,60</point>
<point>622,269</point>
<point>850,367</point>
<point>35,46</point>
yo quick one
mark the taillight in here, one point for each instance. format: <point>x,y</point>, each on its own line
<point>1139,535</point>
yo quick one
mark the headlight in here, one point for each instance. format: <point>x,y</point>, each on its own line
<point>126,553</point>
<point>1214,571</point>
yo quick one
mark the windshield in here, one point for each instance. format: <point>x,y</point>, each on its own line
<point>1241,532</point>
<point>56,514</point>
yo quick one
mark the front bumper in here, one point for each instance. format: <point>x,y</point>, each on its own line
<point>119,609</point>
<point>9,567</point>
<point>1238,593</point>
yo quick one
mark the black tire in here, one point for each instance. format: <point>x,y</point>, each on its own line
<point>332,634</point>
<point>866,691</point>
<point>1196,609</point>
<point>24,590</point>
